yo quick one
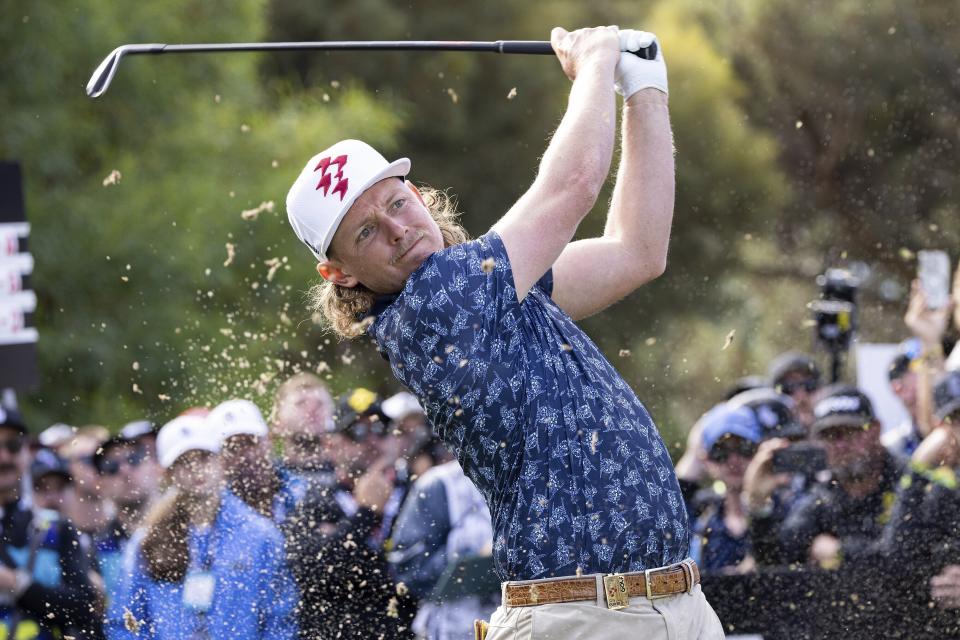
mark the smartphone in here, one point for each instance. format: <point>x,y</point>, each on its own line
<point>802,457</point>
<point>933,269</point>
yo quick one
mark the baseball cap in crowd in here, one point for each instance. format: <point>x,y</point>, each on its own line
<point>182,434</point>
<point>907,352</point>
<point>237,417</point>
<point>946,395</point>
<point>774,412</point>
<point>746,383</point>
<point>55,435</point>
<point>793,362</point>
<point>138,429</point>
<point>400,405</point>
<point>359,414</point>
<point>12,419</point>
<point>842,406</point>
<point>328,186</point>
<point>724,421</point>
<point>46,463</point>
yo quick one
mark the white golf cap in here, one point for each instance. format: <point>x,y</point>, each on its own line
<point>237,417</point>
<point>401,405</point>
<point>182,434</point>
<point>328,186</point>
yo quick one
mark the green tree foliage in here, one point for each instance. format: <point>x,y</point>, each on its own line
<point>139,314</point>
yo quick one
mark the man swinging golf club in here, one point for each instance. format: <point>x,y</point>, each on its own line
<point>590,531</point>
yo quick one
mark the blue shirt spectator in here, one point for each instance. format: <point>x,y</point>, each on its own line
<point>254,595</point>
<point>574,471</point>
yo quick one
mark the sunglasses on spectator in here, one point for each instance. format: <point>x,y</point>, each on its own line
<point>840,433</point>
<point>790,387</point>
<point>726,447</point>
<point>361,429</point>
<point>111,467</point>
<point>13,445</point>
<point>305,441</point>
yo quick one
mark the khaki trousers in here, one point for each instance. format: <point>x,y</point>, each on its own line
<point>686,616</point>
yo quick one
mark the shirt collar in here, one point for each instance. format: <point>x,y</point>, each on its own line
<point>380,304</point>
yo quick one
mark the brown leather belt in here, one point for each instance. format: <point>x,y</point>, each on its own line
<point>618,587</point>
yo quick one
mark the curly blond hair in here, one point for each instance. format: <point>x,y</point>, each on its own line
<point>341,306</point>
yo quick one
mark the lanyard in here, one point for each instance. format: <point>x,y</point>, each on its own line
<point>207,549</point>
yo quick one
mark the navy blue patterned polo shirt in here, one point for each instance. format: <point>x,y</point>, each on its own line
<point>571,465</point>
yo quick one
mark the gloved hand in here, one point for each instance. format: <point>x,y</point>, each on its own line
<point>633,72</point>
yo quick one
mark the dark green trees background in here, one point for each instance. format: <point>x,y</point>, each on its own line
<point>808,135</point>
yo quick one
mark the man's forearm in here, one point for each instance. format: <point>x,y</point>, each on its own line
<point>641,210</point>
<point>581,149</point>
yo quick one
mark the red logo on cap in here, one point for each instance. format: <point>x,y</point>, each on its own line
<point>325,178</point>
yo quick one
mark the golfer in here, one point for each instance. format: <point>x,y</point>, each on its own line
<point>590,531</point>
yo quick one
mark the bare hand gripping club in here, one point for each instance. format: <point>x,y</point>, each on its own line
<point>103,74</point>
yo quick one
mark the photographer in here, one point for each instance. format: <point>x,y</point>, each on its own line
<point>770,487</point>
<point>842,515</point>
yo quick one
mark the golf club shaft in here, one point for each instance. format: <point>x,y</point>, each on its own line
<point>103,75</point>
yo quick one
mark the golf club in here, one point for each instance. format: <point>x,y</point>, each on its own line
<point>103,74</point>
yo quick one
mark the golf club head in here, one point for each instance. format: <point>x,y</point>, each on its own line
<point>103,74</point>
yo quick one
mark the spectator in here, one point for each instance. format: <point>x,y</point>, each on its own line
<point>769,493</point>
<point>729,437</point>
<point>45,591</point>
<point>929,327</point>
<point>127,480</point>
<point>205,565</point>
<point>245,454</point>
<point>51,482</point>
<point>144,434</point>
<point>902,439</point>
<point>842,516</point>
<point>796,375</point>
<point>302,422</point>
<point>431,453</point>
<point>444,520</point>
<point>408,430</point>
<point>335,546</point>
<point>88,511</point>
<point>921,539</point>
<point>746,383</point>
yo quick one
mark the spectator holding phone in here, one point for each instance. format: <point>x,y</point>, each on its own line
<point>773,480</point>
<point>843,515</point>
<point>921,539</point>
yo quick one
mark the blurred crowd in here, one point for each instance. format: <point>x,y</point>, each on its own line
<point>345,517</point>
<point>329,518</point>
<point>791,470</point>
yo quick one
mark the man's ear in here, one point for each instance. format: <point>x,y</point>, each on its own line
<point>333,274</point>
<point>416,191</point>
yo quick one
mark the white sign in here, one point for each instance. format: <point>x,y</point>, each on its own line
<point>873,363</point>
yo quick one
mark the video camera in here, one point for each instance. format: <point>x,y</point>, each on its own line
<point>835,312</point>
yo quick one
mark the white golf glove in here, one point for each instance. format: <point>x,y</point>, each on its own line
<point>633,72</point>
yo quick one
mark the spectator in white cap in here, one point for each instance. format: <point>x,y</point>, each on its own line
<point>245,453</point>
<point>205,565</point>
<point>409,429</point>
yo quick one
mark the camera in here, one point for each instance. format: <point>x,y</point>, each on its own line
<point>803,458</point>
<point>835,312</point>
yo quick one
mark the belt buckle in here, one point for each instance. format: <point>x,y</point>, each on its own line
<point>648,584</point>
<point>615,588</point>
